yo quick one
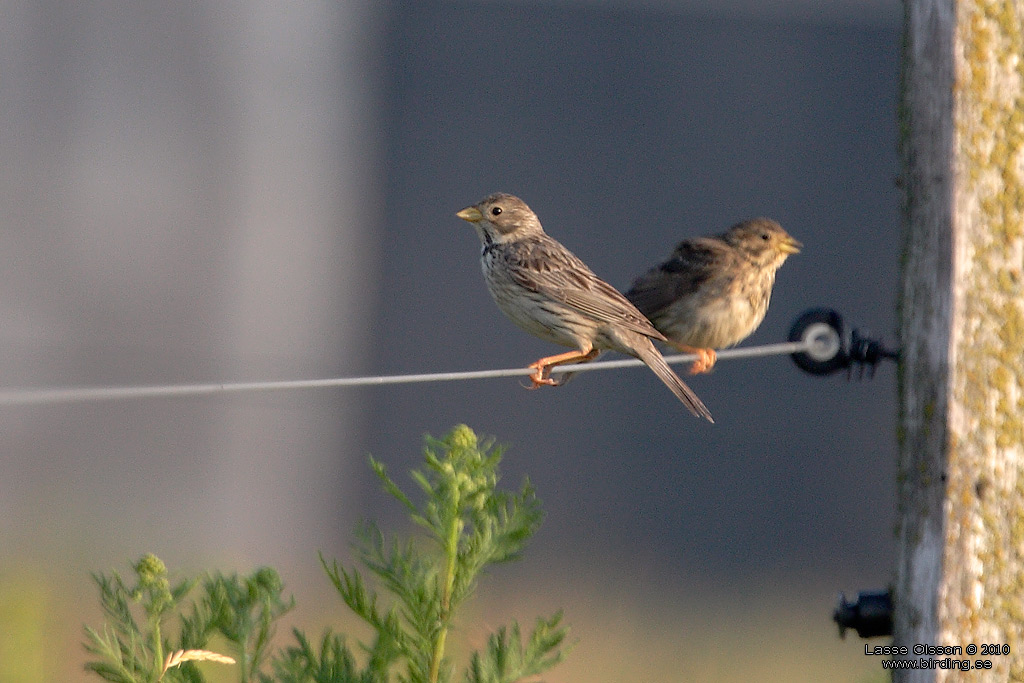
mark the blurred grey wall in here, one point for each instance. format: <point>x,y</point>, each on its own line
<point>189,192</point>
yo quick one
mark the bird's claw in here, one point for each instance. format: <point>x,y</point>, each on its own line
<point>705,361</point>
<point>541,376</point>
<point>562,379</point>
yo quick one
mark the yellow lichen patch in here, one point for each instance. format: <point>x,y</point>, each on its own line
<point>984,509</point>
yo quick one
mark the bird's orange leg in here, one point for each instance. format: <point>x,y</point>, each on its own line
<point>705,357</point>
<point>542,368</point>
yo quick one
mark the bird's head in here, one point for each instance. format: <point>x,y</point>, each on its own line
<point>500,218</point>
<point>763,241</point>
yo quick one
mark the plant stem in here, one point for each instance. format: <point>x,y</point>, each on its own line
<point>158,649</point>
<point>451,551</point>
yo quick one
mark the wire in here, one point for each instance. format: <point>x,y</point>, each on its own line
<point>13,397</point>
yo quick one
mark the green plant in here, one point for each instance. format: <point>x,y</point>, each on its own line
<point>134,646</point>
<point>408,593</point>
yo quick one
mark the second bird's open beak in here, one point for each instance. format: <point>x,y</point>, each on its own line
<point>471,214</point>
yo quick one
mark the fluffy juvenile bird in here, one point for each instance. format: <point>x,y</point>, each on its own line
<point>544,289</point>
<point>713,292</point>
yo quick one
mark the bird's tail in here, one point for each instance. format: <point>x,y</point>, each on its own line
<point>654,360</point>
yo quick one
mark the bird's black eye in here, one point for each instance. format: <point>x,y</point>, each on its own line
<point>496,211</point>
<point>765,236</point>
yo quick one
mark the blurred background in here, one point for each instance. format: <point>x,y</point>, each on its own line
<point>243,191</point>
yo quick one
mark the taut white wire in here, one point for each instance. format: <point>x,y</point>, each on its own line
<point>11,397</point>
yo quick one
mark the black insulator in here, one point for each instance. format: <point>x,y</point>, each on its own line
<point>870,616</point>
<point>832,349</point>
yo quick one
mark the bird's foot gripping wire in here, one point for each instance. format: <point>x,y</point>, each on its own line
<point>541,375</point>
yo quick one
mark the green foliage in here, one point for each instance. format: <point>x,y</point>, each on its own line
<point>133,646</point>
<point>333,663</point>
<point>507,660</point>
<point>241,611</point>
<point>409,596</point>
<point>470,524</point>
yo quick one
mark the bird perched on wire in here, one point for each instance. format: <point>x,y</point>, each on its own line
<point>713,292</point>
<point>547,291</point>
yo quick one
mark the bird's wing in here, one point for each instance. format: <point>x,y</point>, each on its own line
<point>544,266</point>
<point>693,262</point>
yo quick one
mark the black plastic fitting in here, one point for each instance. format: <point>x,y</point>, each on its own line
<point>870,615</point>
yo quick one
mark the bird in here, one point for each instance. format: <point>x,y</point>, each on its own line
<point>547,291</point>
<point>713,292</point>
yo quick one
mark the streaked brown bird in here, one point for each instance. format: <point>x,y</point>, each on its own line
<point>544,289</point>
<point>713,292</point>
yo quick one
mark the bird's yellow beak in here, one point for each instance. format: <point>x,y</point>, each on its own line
<point>790,246</point>
<point>471,214</point>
